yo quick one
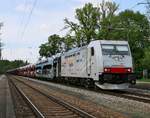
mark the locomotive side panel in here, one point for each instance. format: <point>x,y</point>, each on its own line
<point>74,64</point>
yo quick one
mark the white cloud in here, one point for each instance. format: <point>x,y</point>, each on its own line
<point>83,2</point>
<point>44,27</point>
<point>95,2</point>
<point>23,7</point>
<point>29,54</point>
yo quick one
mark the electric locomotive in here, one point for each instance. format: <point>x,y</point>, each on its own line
<point>106,64</point>
<point>103,63</point>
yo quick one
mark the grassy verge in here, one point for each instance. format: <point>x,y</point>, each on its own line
<point>143,80</point>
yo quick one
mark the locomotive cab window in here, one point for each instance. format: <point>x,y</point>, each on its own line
<point>92,51</point>
<point>113,49</point>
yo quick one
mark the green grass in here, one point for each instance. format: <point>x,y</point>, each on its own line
<point>143,80</point>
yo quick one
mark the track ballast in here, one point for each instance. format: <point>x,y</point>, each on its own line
<point>44,105</point>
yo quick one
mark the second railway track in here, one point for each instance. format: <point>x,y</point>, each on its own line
<point>127,94</point>
<point>134,96</point>
<point>145,98</point>
<point>44,105</point>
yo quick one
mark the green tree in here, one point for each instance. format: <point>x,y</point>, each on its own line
<point>69,42</point>
<point>44,50</point>
<point>108,9</point>
<point>108,20</point>
<point>88,18</point>
<point>53,46</point>
<point>6,65</point>
<point>91,20</point>
<point>136,31</point>
<point>146,59</point>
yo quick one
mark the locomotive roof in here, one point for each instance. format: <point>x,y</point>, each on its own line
<point>113,42</point>
<point>46,61</point>
<point>72,51</point>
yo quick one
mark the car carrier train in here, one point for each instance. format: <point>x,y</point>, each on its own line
<point>103,63</point>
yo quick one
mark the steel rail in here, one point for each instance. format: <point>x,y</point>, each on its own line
<point>27,100</point>
<point>127,95</point>
<point>62,103</point>
<point>137,98</point>
<point>137,92</point>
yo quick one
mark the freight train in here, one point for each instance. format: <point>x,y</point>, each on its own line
<point>103,63</point>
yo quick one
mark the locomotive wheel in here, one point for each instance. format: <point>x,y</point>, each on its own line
<point>133,82</point>
<point>88,83</point>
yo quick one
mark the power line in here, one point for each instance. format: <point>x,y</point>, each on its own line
<point>22,17</point>
<point>28,20</point>
<point>137,4</point>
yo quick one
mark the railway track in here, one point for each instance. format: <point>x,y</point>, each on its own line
<point>128,95</point>
<point>135,96</point>
<point>44,105</point>
<point>138,92</point>
<point>21,103</point>
<point>131,95</point>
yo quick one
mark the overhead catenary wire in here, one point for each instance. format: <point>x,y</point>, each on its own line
<point>22,17</point>
<point>139,3</point>
<point>29,18</point>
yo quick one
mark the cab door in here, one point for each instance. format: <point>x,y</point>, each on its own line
<point>90,61</point>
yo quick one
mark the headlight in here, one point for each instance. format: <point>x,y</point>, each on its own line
<point>107,70</point>
<point>129,70</point>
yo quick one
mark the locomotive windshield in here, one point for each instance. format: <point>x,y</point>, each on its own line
<point>111,49</point>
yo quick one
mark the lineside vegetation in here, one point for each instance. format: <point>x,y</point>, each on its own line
<point>7,65</point>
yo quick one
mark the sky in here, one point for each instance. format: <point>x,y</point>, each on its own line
<point>24,31</point>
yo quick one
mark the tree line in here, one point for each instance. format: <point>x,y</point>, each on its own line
<point>6,65</point>
<point>104,22</point>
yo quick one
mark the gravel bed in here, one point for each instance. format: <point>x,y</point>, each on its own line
<point>79,101</point>
<point>104,103</point>
<point>141,91</point>
<point>20,107</point>
<point>142,85</point>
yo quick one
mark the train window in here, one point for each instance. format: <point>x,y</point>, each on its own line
<point>92,51</point>
<point>112,49</point>
<point>47,67</point>
<point>108,47</point>
<point>38,68</point>
<point>122,48</point>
